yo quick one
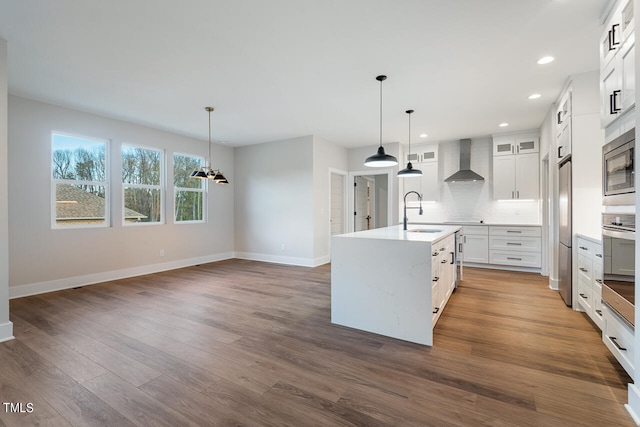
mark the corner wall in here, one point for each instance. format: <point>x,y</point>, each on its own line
<point>6,327</point>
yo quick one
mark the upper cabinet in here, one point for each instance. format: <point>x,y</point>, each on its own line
<point>617,63</point>
<point>563,126</point>
<point>516,166</point>
<point>425,158</point>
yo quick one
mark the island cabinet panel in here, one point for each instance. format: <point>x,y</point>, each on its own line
<point>393,282</point>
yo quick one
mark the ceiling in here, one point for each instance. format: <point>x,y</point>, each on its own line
<point>279,69</point>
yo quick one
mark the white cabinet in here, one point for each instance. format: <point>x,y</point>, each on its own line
<point>475,244</point>
<point>617,64</point>
<point>589,275</point>
<point>617,335</point>
<point>516,167</point>
<point>563,125</point>
<point>443,274</point>
<point>425,158</point>
<point>515,246</point>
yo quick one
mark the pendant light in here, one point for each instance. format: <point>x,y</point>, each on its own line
<point>207,172</point>
<point>381,159</point>
<point>409,171</point>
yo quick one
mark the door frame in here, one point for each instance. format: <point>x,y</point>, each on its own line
<point>345,202</point>
<point>390,191</point>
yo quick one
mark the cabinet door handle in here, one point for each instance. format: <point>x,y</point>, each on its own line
<point>513,148</point>
<point>614,340</point>
<point>599,281</point>
<point>560,115</point>
<point>560,152</point>
<point>583,248</point>
<point>514,244</point>
<point>599,313</point>
<point>583,296</point>
<point>435,279</point>
<point>512,195</point>
<point>514,231</point>
<point>435,310</point>
<point>584,270</point>
<point>452,258</point>
<point>460,247</point>
<point>514,259</point>
<point>614,42</point>
<point>613,104</point>
<point>599,255</point>
<point>444,261</point>
<point>517,194</point>
<point>434,254</point>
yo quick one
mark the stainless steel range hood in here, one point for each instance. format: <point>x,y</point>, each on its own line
<point>465,173</point>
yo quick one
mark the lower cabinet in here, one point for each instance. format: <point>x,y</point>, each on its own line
<point>589,279</point>
<point>443,278</point>
<point>515,246</point>
<point>617,335</point>
<point>476,244</point>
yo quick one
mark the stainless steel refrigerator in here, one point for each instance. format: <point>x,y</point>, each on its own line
<point>564,232</point>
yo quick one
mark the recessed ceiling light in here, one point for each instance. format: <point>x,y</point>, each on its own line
<point>534,96</point>
<point>503,125</point>
<point>423,135</point>
<point>545,60</point>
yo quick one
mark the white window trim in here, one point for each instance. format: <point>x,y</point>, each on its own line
<point>105,184</point>
<point>202,189</point>
<point>160,187</point>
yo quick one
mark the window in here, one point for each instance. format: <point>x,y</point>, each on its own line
<point>188,192</point>
<point>142,185</point>
<point>80,181</point>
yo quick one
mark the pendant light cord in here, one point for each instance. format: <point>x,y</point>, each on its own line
<point>210,109</point>
<point>381,80</point>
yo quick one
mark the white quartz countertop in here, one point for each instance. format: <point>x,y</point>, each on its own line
<point>395,232</point>
<point>463,223</point>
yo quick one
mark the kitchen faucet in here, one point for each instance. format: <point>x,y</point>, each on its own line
<point>405,206</point>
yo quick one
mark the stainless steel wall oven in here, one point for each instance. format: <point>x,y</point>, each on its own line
<point>618,170</point>
<point>618,283</point>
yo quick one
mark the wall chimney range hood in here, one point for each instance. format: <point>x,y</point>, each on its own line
<point>465,173</point>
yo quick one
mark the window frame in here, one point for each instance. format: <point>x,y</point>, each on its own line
<point>106,183</point>
<point>161,186</point>
<point>202,189</point>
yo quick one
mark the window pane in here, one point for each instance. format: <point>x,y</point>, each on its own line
<point>182,168</point>
<point>78,158</point>
<point>189,205</point>
<point>80,204</point>
<point>141,205</point>
<point>140,166</point>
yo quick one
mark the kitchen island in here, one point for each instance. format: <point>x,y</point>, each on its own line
<point>393,282</point>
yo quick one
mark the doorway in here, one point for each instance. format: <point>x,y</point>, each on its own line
<point>370,200</point>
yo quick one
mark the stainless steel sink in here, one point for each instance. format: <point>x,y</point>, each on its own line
<point>424,230</point>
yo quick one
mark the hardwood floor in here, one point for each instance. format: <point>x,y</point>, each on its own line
<point>247,343</point>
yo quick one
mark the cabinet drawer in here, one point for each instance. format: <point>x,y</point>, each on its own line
<point>515,231</point>
<point>509,243</point>
<point>618,338</point>
<point>478,230</point>
<point>585,268</point>
<point>585,295</point>
<point>517,259</point>
<point>589,249</point>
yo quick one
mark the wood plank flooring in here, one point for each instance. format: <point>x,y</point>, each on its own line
<point>247,343</point>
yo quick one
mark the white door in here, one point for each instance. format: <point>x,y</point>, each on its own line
<point>362,215</point>
<point>337,204</point>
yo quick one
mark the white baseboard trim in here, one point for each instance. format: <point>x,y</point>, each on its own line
<point>553,284</point>
<point>322,260</point>
<point>91,279</point>
<point>6,332</point>
<point>277,259</point>
<point>633,407</point>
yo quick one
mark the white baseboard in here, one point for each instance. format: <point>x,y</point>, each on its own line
<point>277,259</point>
<point>91,279</point>
<point>553,283</point>
<point>6,332</point>
<point>633,407</point>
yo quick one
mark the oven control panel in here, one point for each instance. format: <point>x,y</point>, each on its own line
<point>619,221</point>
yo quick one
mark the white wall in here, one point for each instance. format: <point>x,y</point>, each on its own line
<point>473,201</point>
<point>43,259</point>
<point>326,157</point>
<point>274,206</point>
<point>549,215</point>
<point>6,327</point>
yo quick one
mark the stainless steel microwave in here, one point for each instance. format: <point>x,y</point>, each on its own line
<point>618,170</point>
